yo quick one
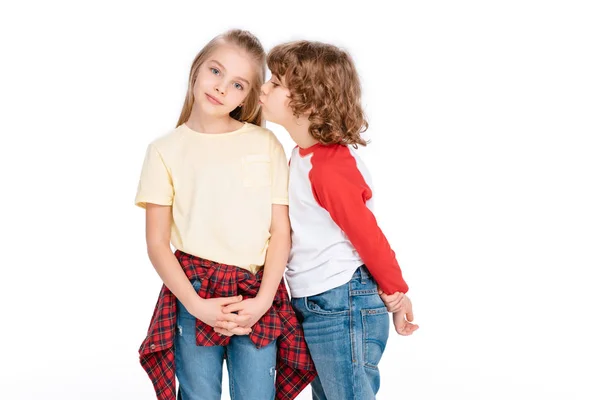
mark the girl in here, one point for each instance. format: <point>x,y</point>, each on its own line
<point>339,254</point>
<point>216,188</point>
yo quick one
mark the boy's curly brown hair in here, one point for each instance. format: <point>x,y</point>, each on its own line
<point>324,83</point>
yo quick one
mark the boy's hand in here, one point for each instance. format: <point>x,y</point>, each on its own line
<point>404,326</point>
<point>403,317</point>
<point>400,305</point>
<point>392,301</point>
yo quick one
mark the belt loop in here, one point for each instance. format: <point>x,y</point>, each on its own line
<point>363,274</point>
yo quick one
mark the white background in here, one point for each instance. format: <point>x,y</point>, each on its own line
<point>485,155</point>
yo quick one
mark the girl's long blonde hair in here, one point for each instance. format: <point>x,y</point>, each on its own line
<point>250,111</point>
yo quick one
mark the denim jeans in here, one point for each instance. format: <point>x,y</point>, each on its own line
<point>199,369</point>
<point>346,329</point>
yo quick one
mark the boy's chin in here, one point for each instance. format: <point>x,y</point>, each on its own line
<point>274,122</point>
<point>269,118</point>
<point>266,115</point>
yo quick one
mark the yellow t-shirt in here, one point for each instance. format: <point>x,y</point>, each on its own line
<point>221,188</point>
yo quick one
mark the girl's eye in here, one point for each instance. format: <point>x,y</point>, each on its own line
<point>238,86</point>
<point>214,71</point>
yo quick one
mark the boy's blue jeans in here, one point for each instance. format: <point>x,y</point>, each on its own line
<point>199,369</point>
<point>346,329</point>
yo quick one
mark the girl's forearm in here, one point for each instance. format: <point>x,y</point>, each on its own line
<point>275,263</point>
<point>168,268</point>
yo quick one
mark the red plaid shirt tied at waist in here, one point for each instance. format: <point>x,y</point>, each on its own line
<point>295,369</point>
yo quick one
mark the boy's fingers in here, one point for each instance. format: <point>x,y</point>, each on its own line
<point>391,301</point>
<point>395,303</point>
<point>396,308</point>
<point>392,297</point>
<point>400,328</point>
<point>405,306</point>
<point>403,330</point>
<point>407,329</point>
<point>412,329</point>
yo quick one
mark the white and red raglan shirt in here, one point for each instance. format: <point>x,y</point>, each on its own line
<point>334,230</point>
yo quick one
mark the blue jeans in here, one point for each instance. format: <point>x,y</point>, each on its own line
<point>346,329</point>
<point>199,369</point>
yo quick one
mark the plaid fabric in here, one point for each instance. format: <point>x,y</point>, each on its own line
<point>295,369</point>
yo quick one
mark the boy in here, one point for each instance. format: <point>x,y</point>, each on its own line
<point>339,255</point>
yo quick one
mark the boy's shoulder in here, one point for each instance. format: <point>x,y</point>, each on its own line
<point>329,157</point>
<point>333,163</point>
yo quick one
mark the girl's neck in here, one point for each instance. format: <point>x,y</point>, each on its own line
<point>216,125</point>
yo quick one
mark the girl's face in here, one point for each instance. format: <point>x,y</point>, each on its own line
<point>223,81</point>
<point>275,101</point>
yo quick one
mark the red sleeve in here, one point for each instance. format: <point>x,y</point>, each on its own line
<point>340,188</point>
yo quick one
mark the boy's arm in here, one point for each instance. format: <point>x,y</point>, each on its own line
<point>342,191</point>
